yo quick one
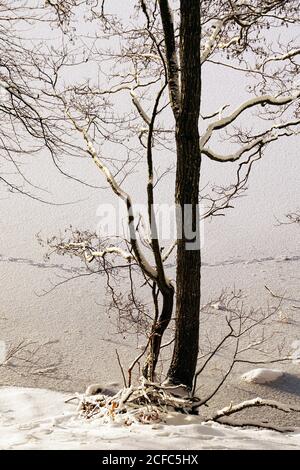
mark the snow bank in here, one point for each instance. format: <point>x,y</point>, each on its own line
<point>40,419</point>
<point>262,376</point>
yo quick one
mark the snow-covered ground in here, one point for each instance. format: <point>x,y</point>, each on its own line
<point>262,376</point>
<point>40,419</point>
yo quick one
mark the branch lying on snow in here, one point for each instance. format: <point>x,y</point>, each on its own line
<point>231,409</point>
<point>255,402</point>
<point>255,424</point>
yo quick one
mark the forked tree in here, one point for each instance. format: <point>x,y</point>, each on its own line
<point>157,57</point>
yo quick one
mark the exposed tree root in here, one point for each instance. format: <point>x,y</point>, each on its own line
<point>146,402</point>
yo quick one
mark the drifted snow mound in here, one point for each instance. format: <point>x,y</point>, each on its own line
<point>262,376</point>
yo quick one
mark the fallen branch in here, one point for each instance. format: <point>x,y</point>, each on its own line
<point>255,402</point>
<point>255,424</point>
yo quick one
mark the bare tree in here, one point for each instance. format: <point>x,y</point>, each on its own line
<point>156,59</point>
<point>28,125</point>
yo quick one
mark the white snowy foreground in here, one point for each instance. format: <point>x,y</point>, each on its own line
<point>40,419</point>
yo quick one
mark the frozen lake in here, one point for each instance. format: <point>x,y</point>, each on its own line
<point>246,250</point>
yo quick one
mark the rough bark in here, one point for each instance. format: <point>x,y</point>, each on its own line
<point>158,329</point>
<point>185,352</point>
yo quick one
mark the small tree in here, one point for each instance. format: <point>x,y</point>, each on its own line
<point>158,56</point>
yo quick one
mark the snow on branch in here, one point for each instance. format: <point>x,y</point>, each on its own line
<point>139,108</point>
<point>90,253</point>
<point>258,100</point>
<point>111,249</point>
<point>139,256</point>
<point>255,402</point>
<point>236,155</point>
<point>217,113</point>
<point>169,250</point>
<point>171,55</point>
<point>289,55</point>
<point>257,142</point>
<point>212,41</point>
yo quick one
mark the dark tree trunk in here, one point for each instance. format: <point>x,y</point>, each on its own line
<point>157,332</point>
<point>184,360</point>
